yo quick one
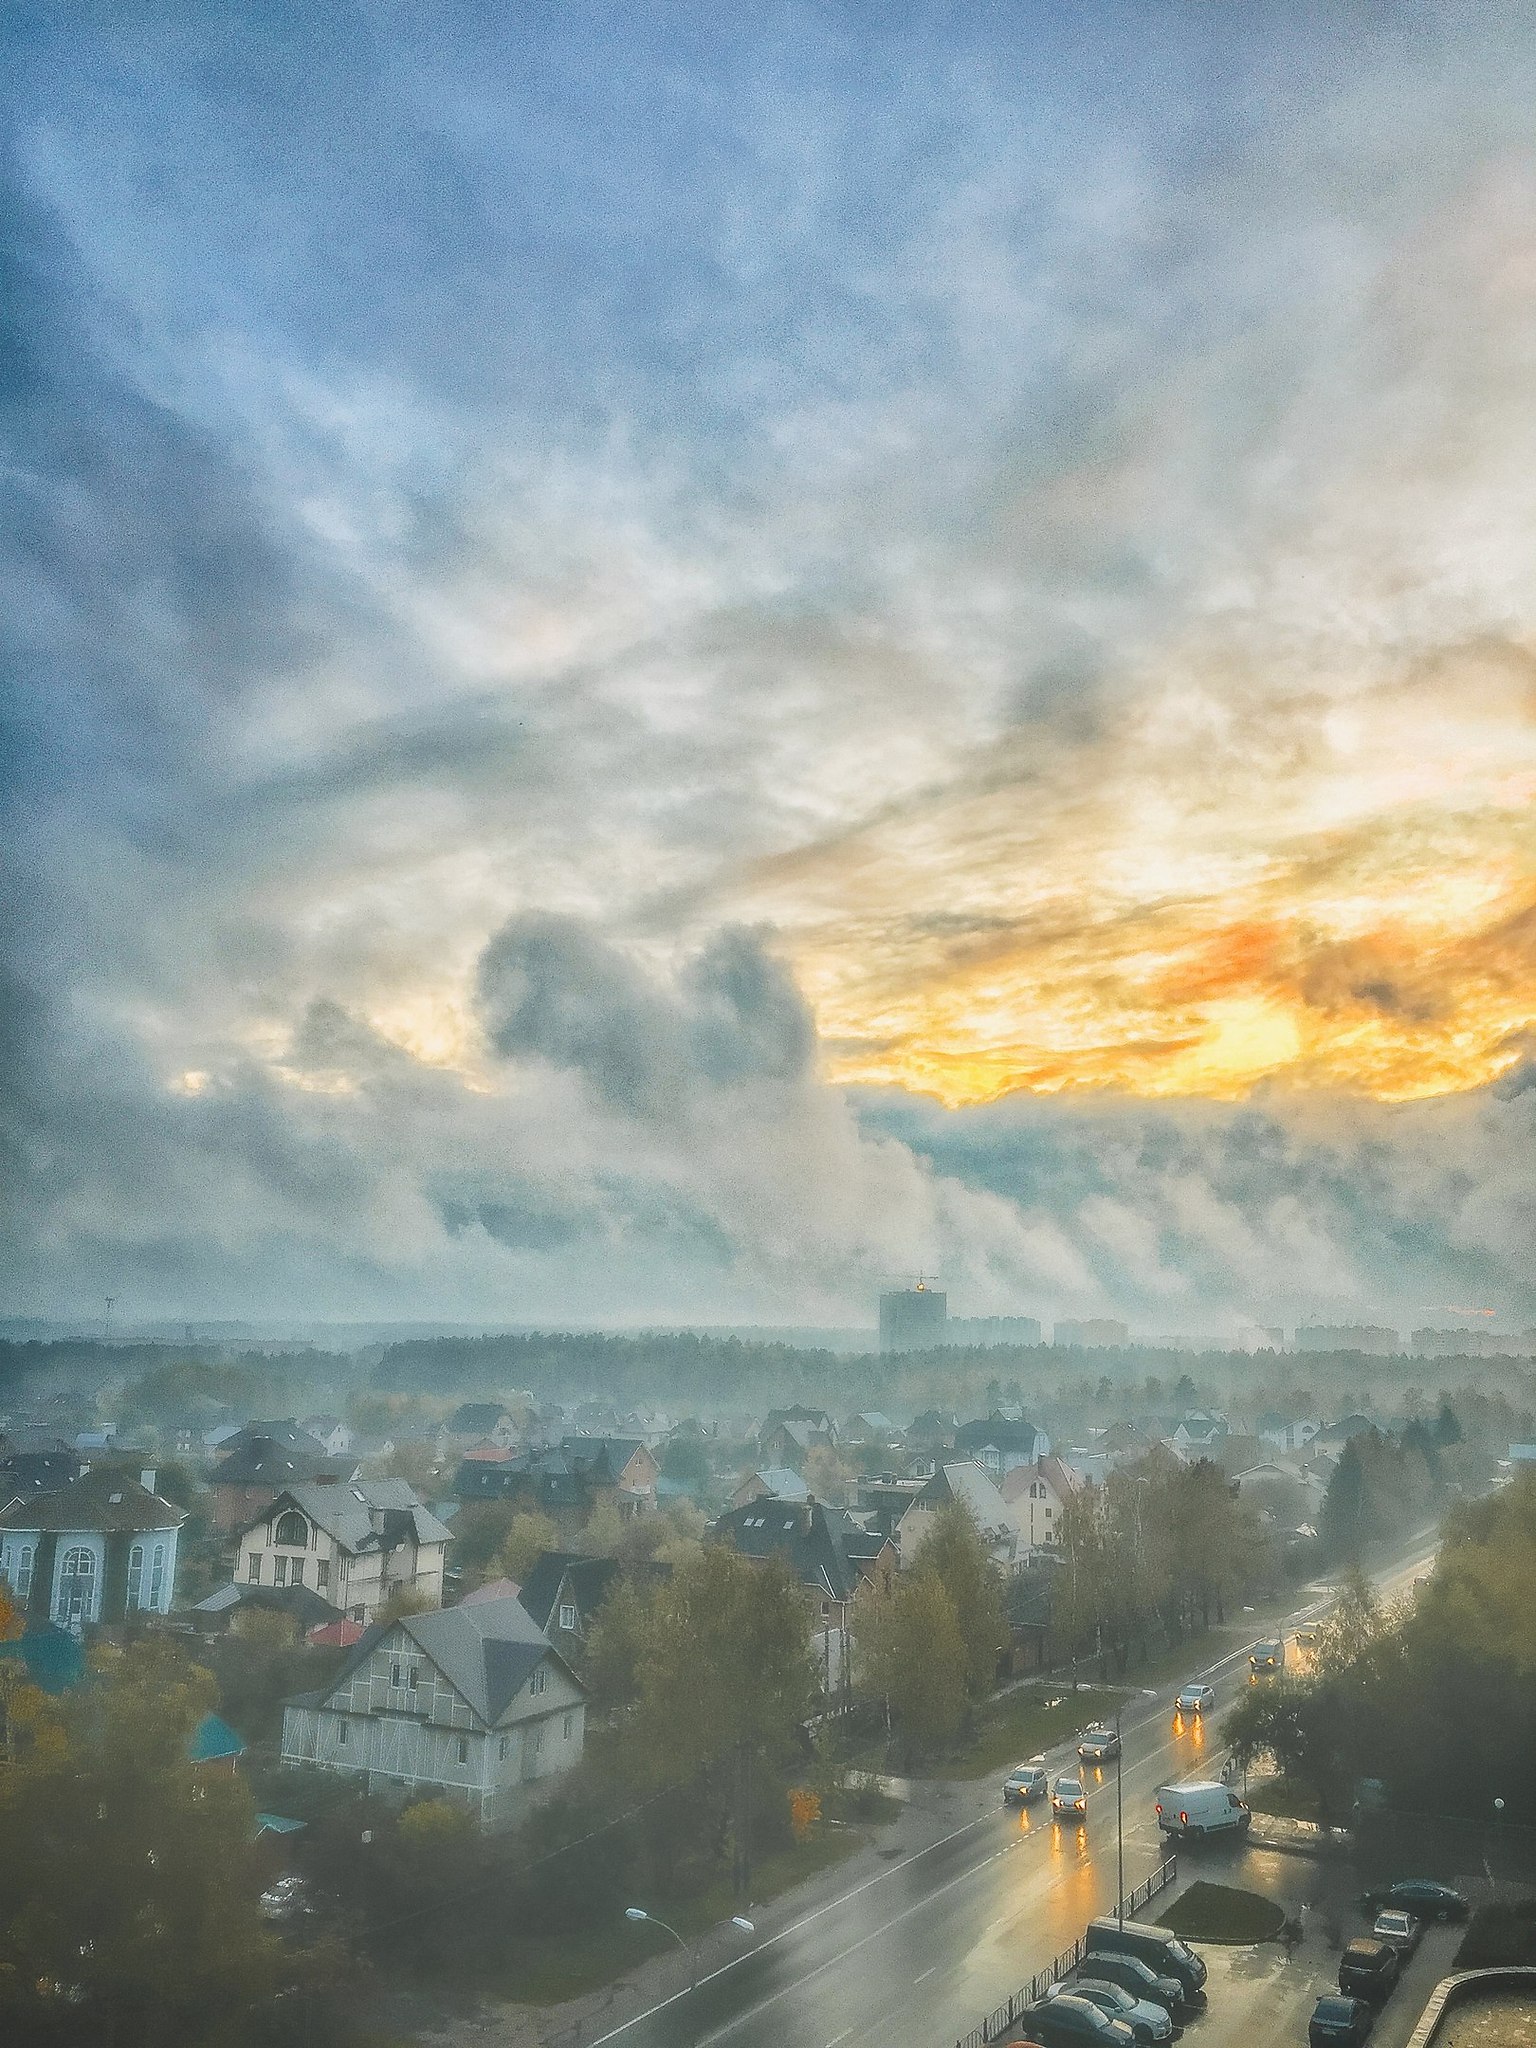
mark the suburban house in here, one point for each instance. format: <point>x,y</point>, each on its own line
<point>870,1426</point>
<point>355,1545</point>
<point>621,1463</point>
<point>101,1549</point>
<point>1277,1434</point>
<point>788,1434</point>
<point>568,1483</point>
<point>1200,1434</point>
<point>961,1480</point>
<point>834,1558</point>
<point>469,1703</point>
<point>479,1422</point>
<point>564,1591</point>
<point>777,1482</point>
<point>1000,1443</point>
<point>259,1461</point>
<point>1038,1495</point>
<point>25,1472</point>
<point>329,1431</point>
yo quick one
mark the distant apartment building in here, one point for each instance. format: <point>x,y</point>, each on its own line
<point>1097,1333</point>
<point>913,1319</point>
<point>1473,1343</point>
<point>1365,1337</point>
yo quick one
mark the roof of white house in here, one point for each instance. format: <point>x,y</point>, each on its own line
<point>346,1513</point>
<point>97,1501</point>
<point>486,1652</point>
<point>967,1482</point>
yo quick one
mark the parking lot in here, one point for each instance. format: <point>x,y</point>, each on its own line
<point>1260,1998</point>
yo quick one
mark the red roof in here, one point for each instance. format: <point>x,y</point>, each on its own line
<point>336,1635</point>
<point>489,1454</point>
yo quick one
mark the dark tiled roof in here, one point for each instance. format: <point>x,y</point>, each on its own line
<point>998,1430</point>
<point>99,1500</point>
<point>820,1543</point>
<point>590,1579</point>
<point>27,1472</point>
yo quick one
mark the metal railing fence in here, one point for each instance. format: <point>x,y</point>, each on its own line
<point>1001,2022</point>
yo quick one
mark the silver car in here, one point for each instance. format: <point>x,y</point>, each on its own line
<point>1401,1929</point>
<point>1148,2022</point>
<point>1023,1783</point>
<point>1195,1699</point>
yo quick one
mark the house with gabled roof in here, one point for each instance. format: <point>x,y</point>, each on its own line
<point>101,1549</point>
<point>964,1481</point>
<point>777,1482</point>
<point>834,1556</point>
<point>354,1545</point>
<point>471,1703</point>
<point>1001,1442</point>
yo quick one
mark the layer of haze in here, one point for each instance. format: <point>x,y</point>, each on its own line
<point>658,668</point>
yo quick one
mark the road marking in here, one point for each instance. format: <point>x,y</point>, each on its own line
<point>925,1976</point>
<point>839,2037</point>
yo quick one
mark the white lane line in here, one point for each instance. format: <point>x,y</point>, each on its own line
<point>925,1976</point>
<point>839,2037</point>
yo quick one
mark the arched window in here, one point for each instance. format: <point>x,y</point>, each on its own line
<point>23,1580</point>
<point>136,1576</point>
<point>292,1529</point>
<point>157,1578</point>
<point>77,1586</point>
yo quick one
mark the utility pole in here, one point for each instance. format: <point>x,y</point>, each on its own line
<point>106,1328</point>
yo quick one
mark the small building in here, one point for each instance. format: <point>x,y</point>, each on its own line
<point>260,1461</point>
<point>101,1549</point>
<point>477,1422</point>
<point>471,1703</point>
<point>354,1545</point>
<point>776,1482</point>
<point>839,1561</point>
<point>1000,1443</point>
<point>333,1435</point>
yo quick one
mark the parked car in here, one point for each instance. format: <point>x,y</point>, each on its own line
<point>1201,1807</point>
<point>1420,1896</point>
<point>1068,2022</point>
<point>1266,1658</point>
<point>1068,1799</point>
<point>1023,1783</point>
<point>1403,1930</point>
<point>1098,1744</point>
<point>1369,1968</point>
<point>1147,2020</point>
<point>1135,1976</point>
<point>1154,1946</point>
<point>1339,2023</point>
<point>1196,1699</point>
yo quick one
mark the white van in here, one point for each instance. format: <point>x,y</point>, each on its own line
<point>1201,1808</point>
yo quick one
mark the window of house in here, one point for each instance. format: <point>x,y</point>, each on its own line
<point>23,1580</point>
<point>292,1529</point>
<point>323,1575</point>
<point>359,1614</point>
<point>136,1575</point>
<point>463,1749</point>
<point>280,1571</point>
<point>77,1586</point>
<point>396,1677</point>
<point>343,1734</point>
<point>568,1726</point>
<point>567,1615</point>
<point>506,1744</point>
<point>253,1567</point>
<point>539,1680</point>
<point>411,1675</point>
<point>298,1571</point>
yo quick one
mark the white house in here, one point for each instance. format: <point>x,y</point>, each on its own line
<point>470,1703</point>
<point>354,1544</point>
<point>333,1435</point>
<point>961,1480</point>
<point>102,1548</point>
<point>1038,1495</point>
<point>1278,1435</point>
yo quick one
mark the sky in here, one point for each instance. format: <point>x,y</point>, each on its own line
<point>659,667</point>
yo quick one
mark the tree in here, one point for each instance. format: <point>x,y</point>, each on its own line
<point>686,1463</point>
<point>138,1923</point>
<point>913,1654</point>
<point>829,1476</point>
<point>615,1647</point>
<point>955,1552</point>
<point>528,1536</point>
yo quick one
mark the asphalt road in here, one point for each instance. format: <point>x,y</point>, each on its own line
<point>915,1956</point>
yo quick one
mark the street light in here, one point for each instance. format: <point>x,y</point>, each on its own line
<point>1119,1825</point>
<point>738,1921</point>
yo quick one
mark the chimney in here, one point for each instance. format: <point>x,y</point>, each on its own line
<point>147,1478</point>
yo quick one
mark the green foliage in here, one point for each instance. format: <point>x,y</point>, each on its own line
<point>1381,1486</point>
<point>529,1535</point>
<point>138,1920</point>
<point>913,1653</point>
<point>686,1462</point>
<point>954,1552</point>
<point>1504,1931</point>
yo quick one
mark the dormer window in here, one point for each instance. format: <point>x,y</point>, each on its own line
<point>291,1529</point>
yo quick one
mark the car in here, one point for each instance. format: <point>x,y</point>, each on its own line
<point>1023,1783</point>
<point>286,1898</point>
<point>1065,2022</point>
<point>1098,1744</point>
<point>1403,1930</point>
<point>1195,1699</point>
<point>1148,2021</point>
<point>1339,2023</point>
<point>1068,1799</point>
<point>1308,1638</point>
<point>1201,1807</point>
<point>1135,1976</point>
<point>1266,1658</point>
<point>1157,1947</point>
<point>1420,1896</point>
<point>1369,1968</point>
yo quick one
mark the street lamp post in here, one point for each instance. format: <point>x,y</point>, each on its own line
<point>1119,1826</point>
<point>738,1921</point>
